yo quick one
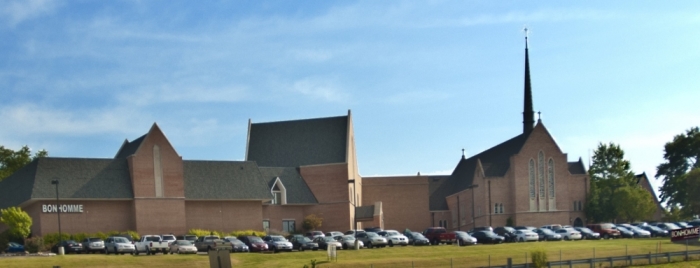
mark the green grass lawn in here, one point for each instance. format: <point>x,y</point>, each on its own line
<point>410,256</point>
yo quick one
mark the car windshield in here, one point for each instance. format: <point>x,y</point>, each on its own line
<point>488,233</point>
<point>168,237</point>
<point>120,240</point>
<point>328,239</point>
<point>153,238</point>
<point>348,238</point>
<point>623,229</point>
<point>584,229</point>
<point>255,239</point>
<point>371,234</point>
<point>184,242</point>
<point>606,226</point>
<point>510,229</point>
<point>547,231</point>
<point>392,233</point>
<point>316,233</point>
<point>672,226</point>
<point>94,239</point>
<point>279,239</point>
<point>304,239</point>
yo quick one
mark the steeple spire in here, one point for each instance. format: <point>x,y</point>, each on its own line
<point>528,112</point>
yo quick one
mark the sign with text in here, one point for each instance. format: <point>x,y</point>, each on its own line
<point>64,208</point>
<point>685,234</point>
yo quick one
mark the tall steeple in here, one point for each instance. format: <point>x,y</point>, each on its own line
<point>528,112</point>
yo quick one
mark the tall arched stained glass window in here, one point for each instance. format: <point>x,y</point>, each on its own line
<point>540,171</point>
<point>550,177</point>
<point>532,179</point>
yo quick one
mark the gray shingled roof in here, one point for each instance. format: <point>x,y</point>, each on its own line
<point>228,180</point>
<point>129,148</point>
<point>298,143</point>
<point>495,161</point>
<point>298,191</point>
<point>577,167</point>
<point>79,178</point>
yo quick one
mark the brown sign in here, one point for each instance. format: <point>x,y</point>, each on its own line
<point>684,234</point>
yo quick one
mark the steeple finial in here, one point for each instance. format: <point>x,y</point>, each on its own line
<point>528,113</point>
<point>463,156</point>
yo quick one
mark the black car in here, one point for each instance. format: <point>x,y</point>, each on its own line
<point>416,238</point>
<point>236,245</point>
<point>624,232</point>
<point>486,237</point>
<point>69,246</point>
<point>655,231</point>
<point>547,234</point>
<point>588,233</point>
<point>302,243</point>
<point>506,232</point>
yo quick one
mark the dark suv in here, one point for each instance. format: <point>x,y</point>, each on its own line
<point>506,232</point>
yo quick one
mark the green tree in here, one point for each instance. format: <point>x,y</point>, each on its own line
<point>11,161</point>
<point>693,181</point>
<point>673,214</point>
<point>609,172</point>
<point>18,221</point>
<point>311,222</point>
<point>682,155</point>
<point>633,203</point>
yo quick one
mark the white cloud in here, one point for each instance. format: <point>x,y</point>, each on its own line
<point>185,94</point>
<point>15,12</point>
<point>320,89</point>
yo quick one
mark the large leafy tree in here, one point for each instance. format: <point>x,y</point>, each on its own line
<point>609,172</point>
<point>682,155</point>
<point>633,203</point>
<point>11,161</point>
<point>693,181</point>
<point>18,221</point>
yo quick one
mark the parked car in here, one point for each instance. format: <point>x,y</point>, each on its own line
<point>682,224</point>
<point>302,243</point>
<point>352,232</point>
<point>526,236</point>
<point>278,243</point>
<point>639,232</point>
<point>416,238</point>
<point>191,238</point>
<point>325,242</point>
<point>372,239</point>
<point>547,235</point>
<point>668,226</point>
<point>588,233</point>
<point>655,231</point>
<point>348,242</point>
<point>182,247</point>
<point>210,242</point>
<point>334,234</point>
<point>463,238</point>
<point>13,247</point>
<point>236,245</point>
<point>438,235</point>
<point>151,244</point>
<point>168,238</point>
<point>606,230</point>
<point>624,232</point>
<point>552,227</point>
<point>393,237</point>
<point>373,229</point>
<point>481,228</point>
<point>314,234</point>
<point>254,243</point>
<point>531,228</point>
<point>506,232</point>
<point>119,245</point>
<point>69,246</point>
<point>487,237</point>
<point>569,234</point>
<point>93,244</point>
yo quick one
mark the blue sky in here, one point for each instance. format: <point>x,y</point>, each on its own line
<point>423,79</point>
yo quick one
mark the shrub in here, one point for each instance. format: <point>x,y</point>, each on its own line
<point>52,239</point>
<point>101,235</point>
<point>311,222</point>
<point>4,239</point>
<point>539,258</point>
<point>35,244</point>
<point>80,236</point>
<point>248,232</point>
<point>134,235</point>
<point>278,232</point>
<point>199,232</point>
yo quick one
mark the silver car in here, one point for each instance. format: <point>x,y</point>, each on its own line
<point>182,247</point>
<point>93,244</point>
<point>118,245</point>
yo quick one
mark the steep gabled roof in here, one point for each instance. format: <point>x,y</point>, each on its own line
<point>230,180</point>
<point>495,162</point>
<point>299,142</point>
<point>129,148</point>
<point>577,167</point>
<point>298,191</point>
<point>79,178</point>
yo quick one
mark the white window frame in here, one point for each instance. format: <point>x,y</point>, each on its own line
<point>282,193</point>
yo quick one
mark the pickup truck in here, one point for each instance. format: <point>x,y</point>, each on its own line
<point>438,235</point>
<point>151,244</point>
<point>211,242</point>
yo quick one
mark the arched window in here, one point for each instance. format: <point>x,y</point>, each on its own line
<point>540,171</point>
<point>532,179</point>
<point>495,208</point>
<point>550,177</point>
<point>501,208</point>
<point>157,171</point>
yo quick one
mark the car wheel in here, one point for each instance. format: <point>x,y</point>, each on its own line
<point>106,251</point>
<point>391,244</point>
<point>301,248</point>
<point>369,245</point>
<point>522,240</point>
<point>606,236</point>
